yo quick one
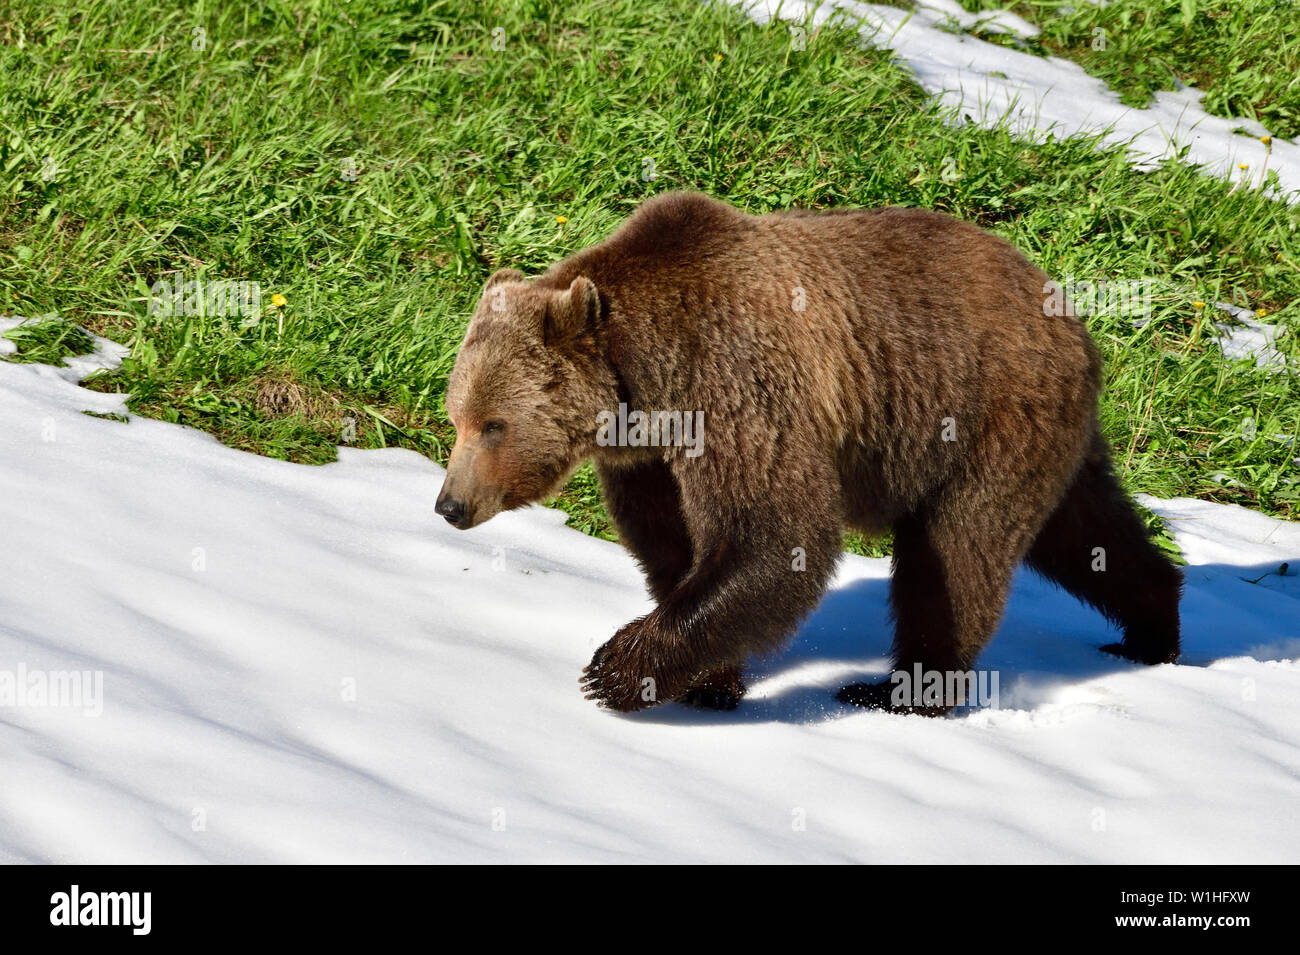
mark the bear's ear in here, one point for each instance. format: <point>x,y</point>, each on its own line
<point>503,275</point>
<point>571,312</point>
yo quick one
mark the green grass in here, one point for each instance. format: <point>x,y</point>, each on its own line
<point>46,341</point>
<point>109,416</point>
<point>235,161</point>
<point>1244,54</point>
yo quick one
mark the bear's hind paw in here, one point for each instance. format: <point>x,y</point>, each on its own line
<point>720,690</point>
<point>710,698</point>
<point>878,696</point>
<point>1148,656</point>
<point>871,696</point>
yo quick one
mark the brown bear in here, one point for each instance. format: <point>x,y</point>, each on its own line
<point>874,369</point>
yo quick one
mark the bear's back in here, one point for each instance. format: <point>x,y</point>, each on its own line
<point>828,303</point>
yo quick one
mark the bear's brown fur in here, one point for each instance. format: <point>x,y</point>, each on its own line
<point>875,369</point>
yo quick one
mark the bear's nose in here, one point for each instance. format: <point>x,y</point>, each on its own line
<point>451,509</point>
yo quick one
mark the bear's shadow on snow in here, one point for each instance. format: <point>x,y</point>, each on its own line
<point>1047,639</point>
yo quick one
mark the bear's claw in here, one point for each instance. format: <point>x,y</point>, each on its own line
<point>616,679</point>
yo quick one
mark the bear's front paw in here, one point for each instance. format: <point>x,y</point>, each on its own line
<point>623,675</point>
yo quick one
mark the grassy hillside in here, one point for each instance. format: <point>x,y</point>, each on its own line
<point>370,164</point>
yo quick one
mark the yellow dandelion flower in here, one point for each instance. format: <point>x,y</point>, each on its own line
<point>1266,140</point>
<point>1243,165</point>
<point>719,56</point>
<point>279,301</point>
<point>1261,312</point>
<point>561,220</point>
<point>1198,305</point>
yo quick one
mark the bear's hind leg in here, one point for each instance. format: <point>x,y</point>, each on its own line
<point>946,601</point>
<point>952,570</point>
<point>720,690</point>
<point>1096,547</point>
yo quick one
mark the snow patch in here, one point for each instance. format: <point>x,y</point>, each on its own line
<point>1036,96</point>
<point>305,664</point>
<point>1247,337</point>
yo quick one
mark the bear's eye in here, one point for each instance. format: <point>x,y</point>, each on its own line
<point>493,427</point>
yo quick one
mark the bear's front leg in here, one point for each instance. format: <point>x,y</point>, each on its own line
<point>640,666</point>
<point>739,601</point>
<point>757,568</point>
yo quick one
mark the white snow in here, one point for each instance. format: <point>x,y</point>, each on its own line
<point>991,84</point>
<point>1247,337</point>
<point>304,664</point>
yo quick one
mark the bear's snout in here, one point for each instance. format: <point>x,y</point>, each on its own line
<point>452,509</point>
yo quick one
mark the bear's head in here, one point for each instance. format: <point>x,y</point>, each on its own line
<point>523,396</point>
